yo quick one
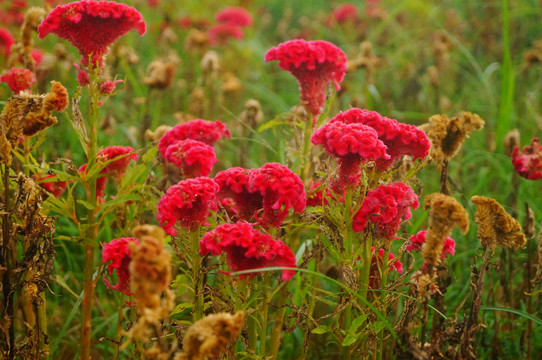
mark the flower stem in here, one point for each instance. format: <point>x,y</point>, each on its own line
<point>196,275</point>
<point>263,325</point>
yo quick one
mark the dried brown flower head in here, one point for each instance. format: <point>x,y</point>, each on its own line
<point>445,213</point>
<point>160,74</point>
<point>210,64</point>
<point>158,133</point>
<point>252,115</point>
<point>196,41</point>
<point>495,226</point>
<point>230,83</point>
<point>209,337</point>
<point>534,55</point>
<point>448,134</point>
<point>32,19</point>
<point>197,102</point>
<point>510,141</point>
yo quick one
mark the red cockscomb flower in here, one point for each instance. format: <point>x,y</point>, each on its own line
<point>6,41</point>
<point>207,132</point>
<point>233,183</point>
<point>18,79</point>
<point>400,139</point>
<point>118,251</point>
<point>101,181</point>
<point>386,207</point>
<point>116,168</point>
<point>376,262</point>
<point>528,162</point>
<point>351,144</point>
<point>346,13</point>
<point>56,188</point>
<point>13,12</point>
<point>417,240</point>
<point>314,64</point>
<point>221,33</point>
<point>235,15</point>
<point>91,26</point>
<point>193,157</point>
<point>188,203</point>
<point>108,86</point>
<point>247,248</point>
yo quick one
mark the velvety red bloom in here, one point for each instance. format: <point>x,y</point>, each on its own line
<point>193,157</point>
<point>314,64</point>
<point>528,162</point>
<point>37,56</point>
<point>109,86</point>
<point>386,207</point>
<point>100,182</point>
<point>6,41</point>
<point>233,183</point>
<point>234,15</point>
<point>188,203</point>
<point>207,132</point>
<point>117,168</point>
<point>376,262</point>
<point>56,188</point>
<point>346,13</point>
<point>417,240</point>
<point>351,144</point>
<point>18,79</point>
<point>118,252</point>
<point>91,26</point>
<point>13,12</point>
<point>247,248</point>
<point>221,33</point>
<point>400,139</point>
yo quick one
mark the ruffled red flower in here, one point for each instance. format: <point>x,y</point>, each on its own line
<point>346,13</point>
<point>18,79</point>
<point>221,33</point>
<point>13,12</point>
<point>118,252</point>
<point>117,168</point>
<point>187,203</point>
<point>207,132</point>
<point>241,203</point>
<point>56,188</point>
<point>352,144</point>
<point>6,41</point>
<point>91,26</point>
<point>193,157</point>
<point>376,262</point>
<point>528,162</point>
<point>400,139</point>
<point>314,64</point>
<point>417,240</point>
<point>101,181</point>
<point>235,15</point>
<point>386,207</point>
<point>109,86</point>
<point>247,248</point>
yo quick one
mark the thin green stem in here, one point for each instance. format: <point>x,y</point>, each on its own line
<point>263,325</point>
<point>196,275</point>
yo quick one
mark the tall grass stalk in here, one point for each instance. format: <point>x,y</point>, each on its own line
<point>506,106</point>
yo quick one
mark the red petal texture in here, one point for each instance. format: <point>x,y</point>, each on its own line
<point>118,166</point>
<point>118,252</point>
<point>193,157</point>
<point>220,34</point>
<point>528,162</point>
<point>18,79</point>
<point>91,26</point>
<point>56,188</point>
<point>346,13</point>
<point>6,41</point>
<point>417,240</point>
<point>235,15</point>
<point>247,248</point>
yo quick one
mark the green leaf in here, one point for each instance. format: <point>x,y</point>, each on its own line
<point>357,323</point>
<point>271,124</point>
<point>181,307</point>
<point>322,329</point>
<point>149,155</point>
<point>60,281</point>
<point>86,204</point>
<point>350,339</point>
<point>524,314</point>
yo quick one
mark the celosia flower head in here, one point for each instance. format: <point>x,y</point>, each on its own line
<point>247,248</point>
<point>346,13</point>
<point>193,157</point>
<point>240,202</point>
<point>187,203</point>
<point>314,64</point>
<point>18,79</point>
<point>117,168</point>
<point>208,132</point>
<point>417,240</point>
<point>91,26</point>
<point>56,188</point>
<point>386,207</point>
<point>376,262</point>
<point>221,33</point>
<point>528,162</point>
<point>235,15</point>
<point>118,252</point>
<point>6,41</point>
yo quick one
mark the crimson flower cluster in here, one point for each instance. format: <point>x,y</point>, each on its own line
<point>386,207</point>
<point>231,21</point>
<point>118,252</point>
<point>6,41</point>
<point>247,248</point>
<point>265,194</point>
<point>528,162</point>
<point>18,79</point>
<point>91,26</point>
<point>188,203</point>
<point>346,13</point>
<point>314,64</point>
<point>376,262</point>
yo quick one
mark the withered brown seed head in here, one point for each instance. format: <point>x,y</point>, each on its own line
<point>160,74</point>
<point>197,41</point>
<point>495,226</point>
<point>252,115</point>
<point>510,141</point>
<point>209,337</point>
<point>158,133</point>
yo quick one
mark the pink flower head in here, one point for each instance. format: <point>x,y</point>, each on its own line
<point>91,26</point>
<point>386,207</point>
<point>352,144</point>
<point>417,240</point>
<point>117,168</point>
<point>400,139</point>
<point>56,188</point>
<point>376,262</point>
<point>37,56</point>
<point>18,79</point>
<point>13,12</point>
<point>346,13</point>
<point>247,248</point>
<point>6,41</point>
<point>234,15</point>
<point>109,86</point>
<point>207,132</point>
<point>528,162</point>
<point>233,183</point>
<point>220,34</point>
<point>193,157</point>
<point>314,64</point>
<point>118,252</point>
<point>188,203</point>
<point>101,181</point>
